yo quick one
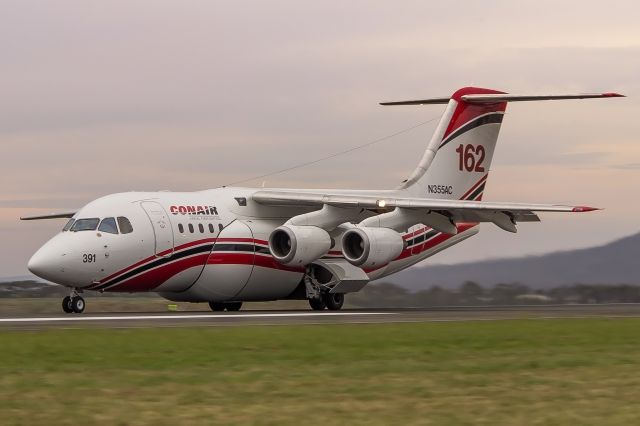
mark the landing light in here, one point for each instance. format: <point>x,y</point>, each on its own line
<point>381,203</point>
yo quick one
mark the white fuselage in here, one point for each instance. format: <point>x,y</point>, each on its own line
<point>197,246</point>
<point>236,244</point>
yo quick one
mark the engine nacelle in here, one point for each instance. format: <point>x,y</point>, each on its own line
<point>371,247</point>
<point>298,245</point>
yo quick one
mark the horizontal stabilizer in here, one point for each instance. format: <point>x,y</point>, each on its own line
<point>504,97</point>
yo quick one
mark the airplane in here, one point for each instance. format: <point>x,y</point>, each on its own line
<point>230,245</point>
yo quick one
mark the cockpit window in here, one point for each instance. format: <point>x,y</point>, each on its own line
<point>108,224</point>
<point>125,225</point>
<point>68,225</point>
<point>85,224</point>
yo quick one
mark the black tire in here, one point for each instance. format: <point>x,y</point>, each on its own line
<point>77,304</point>
<point>216,306</point>
<point>334,301</point>
<point>66,305</point>
<point>317,304</point>
<point>233,306</point>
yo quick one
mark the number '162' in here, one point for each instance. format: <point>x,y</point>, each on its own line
<point>470,157</point>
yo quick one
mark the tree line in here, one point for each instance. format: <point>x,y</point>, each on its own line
<point>470,293</point>
<point>387,294</point>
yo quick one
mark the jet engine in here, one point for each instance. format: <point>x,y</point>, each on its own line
<point>298,245</point>
<point>371,247</point>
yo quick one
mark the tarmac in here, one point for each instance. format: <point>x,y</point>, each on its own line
<point>298,317</point>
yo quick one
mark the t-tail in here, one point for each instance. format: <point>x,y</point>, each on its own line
<point>458,158</point>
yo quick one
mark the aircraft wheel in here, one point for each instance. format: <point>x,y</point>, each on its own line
<point>77,304</point>
<point>317,304</point>
<point>66,305</point>
<point>216,306</point>
<point>334,301</point>
<point>233,306</point>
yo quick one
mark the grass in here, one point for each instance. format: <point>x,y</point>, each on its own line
<point>518,372</point>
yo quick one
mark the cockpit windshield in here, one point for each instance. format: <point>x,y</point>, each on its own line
<point>125,225</point>
<point>85,224</point>
<point>68,225</point>
<point>108,224</point>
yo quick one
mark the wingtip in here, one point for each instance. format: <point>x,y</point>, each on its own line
<point>582,209</point>
<point>613,95</point>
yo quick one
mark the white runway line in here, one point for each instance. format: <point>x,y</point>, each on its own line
<point>176,317</point>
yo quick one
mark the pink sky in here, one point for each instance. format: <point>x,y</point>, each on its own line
<point>101,97</point>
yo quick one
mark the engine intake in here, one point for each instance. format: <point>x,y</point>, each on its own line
<point>371,247</point>
<point>298,245</point>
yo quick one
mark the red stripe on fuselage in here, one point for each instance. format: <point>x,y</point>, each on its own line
<point>153,278</point>
<point>152,258</point>
<point>438,239</point>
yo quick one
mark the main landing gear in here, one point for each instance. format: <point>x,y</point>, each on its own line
<point>73,303</point>
<point>228,306</point>
<point>331,301</point>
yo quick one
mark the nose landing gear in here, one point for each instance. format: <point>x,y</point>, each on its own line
<point>73,303</point>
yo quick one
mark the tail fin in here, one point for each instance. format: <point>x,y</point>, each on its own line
<point>464,142</point>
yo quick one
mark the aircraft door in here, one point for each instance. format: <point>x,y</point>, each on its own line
<point>162,229</point>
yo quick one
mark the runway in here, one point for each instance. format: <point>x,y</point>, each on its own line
<point>350,316</point>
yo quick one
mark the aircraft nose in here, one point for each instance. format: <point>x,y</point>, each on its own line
<point>41,264</point>
<point>46,263</point>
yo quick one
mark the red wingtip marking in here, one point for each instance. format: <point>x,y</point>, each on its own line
<point>613,95</point>
<point>582,209</point>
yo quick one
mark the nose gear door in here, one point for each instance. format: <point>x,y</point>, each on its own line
<point>162,230</point>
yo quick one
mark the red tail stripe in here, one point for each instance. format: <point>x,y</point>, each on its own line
<point>474,187</point>
<point>466,112</point>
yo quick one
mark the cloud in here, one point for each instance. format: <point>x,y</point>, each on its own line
<point>628,166</point>
<point>101,97</point>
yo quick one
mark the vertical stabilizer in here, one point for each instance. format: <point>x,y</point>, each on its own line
<point>456,162</point>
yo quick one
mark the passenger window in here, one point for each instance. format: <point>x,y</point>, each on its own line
<point>181,228</point>
<point>211,228</point>
<point>201,228</point>
<point>124,225</point>
<point>68,225</point>
<point>191,228</point>
<point>220,227</point>
<point>108,225</point>
<point>85,225</point>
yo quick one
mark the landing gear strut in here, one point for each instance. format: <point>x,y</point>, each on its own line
<point>319,294</point>
<point>73,303</point>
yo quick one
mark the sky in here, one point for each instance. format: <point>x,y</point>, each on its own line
<point>108,96</point>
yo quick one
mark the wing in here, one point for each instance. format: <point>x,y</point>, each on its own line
<point>50,216</point>
<point>504,215</point>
